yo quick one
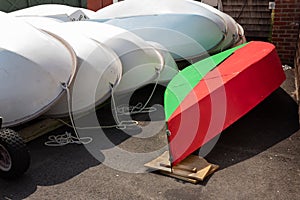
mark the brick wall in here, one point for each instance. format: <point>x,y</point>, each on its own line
<point>286,29</point>
<point>297,70</point>
<point>97,4</point>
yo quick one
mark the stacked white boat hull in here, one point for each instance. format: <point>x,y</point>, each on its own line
<point>55,11</point>
<point>186,28</point>
<point>98,67</point>
<point>142,62</point>
<point>33,65</point>
<point>57,66</point>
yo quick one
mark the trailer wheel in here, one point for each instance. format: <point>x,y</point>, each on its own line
<point>14,154</point>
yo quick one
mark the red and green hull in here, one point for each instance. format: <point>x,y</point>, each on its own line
<point>206,98</point>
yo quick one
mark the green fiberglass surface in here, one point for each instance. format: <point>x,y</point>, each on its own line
<point>184,82</point>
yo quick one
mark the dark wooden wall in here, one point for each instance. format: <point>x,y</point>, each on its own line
<point>253,15</point>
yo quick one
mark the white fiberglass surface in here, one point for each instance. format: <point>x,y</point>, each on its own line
<point>97,68</point>
<point>184,35</point>
<point>32,70</point>
<point>52,10</point>
<point>140,60</point>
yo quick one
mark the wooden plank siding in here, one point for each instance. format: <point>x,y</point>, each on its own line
<point>253,15</point>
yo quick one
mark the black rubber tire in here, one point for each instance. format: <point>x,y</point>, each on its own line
<point>18,152</point>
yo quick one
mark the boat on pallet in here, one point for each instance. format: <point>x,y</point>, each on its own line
<point>188,29</point>
<point>207,97</point>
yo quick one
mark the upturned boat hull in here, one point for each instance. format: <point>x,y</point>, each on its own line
<point>188,29</point>
<point>141,62</point>
<point>56,11</point>
<point>98,68</point>
<point>221,97</point>
<point>33,67</point>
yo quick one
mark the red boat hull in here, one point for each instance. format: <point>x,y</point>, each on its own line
<point>223,96</point>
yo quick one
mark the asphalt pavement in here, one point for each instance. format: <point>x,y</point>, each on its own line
<point>258,158</point>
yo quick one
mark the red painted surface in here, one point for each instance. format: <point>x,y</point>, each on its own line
<point>106,2</point>
<point>224,95</point>
<point>98,4</point>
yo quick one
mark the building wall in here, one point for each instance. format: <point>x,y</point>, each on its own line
<point>253,15</point>
<point>256,19</point>
<point>97,4</point>
<point>286,29</point>
<point>297,70</point>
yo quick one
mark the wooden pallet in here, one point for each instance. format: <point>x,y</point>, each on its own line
<point>42,125</point>
<point>192,169</point>
<point>38,128</point>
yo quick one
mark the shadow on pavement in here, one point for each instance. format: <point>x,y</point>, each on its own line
<point>53,165</point>
<point>272,121</point>
<point>49,166</point>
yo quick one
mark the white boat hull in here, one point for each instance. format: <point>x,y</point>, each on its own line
<point>186,28</point>
<point>98,67</point>
<point>185,36</point>
<point>170,67</point>
<point>56,11</point>
<point>33,66</point>
<point>141,62</point>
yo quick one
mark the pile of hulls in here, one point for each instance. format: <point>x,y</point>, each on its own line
<point>53,54</point>
<point>57,59</point>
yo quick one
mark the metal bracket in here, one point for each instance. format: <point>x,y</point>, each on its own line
<point>272,5</point>
<point>168,133</point>
<point>171,159</point>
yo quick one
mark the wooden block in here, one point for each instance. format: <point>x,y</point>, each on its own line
<point>183,167</point>
<point>193,169</point>
<point>38,129</point>
<point>199,175</point>
<point>190,180</point>
<point>160,163</point>
<point>192,162</point>
<point>212,169</point>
